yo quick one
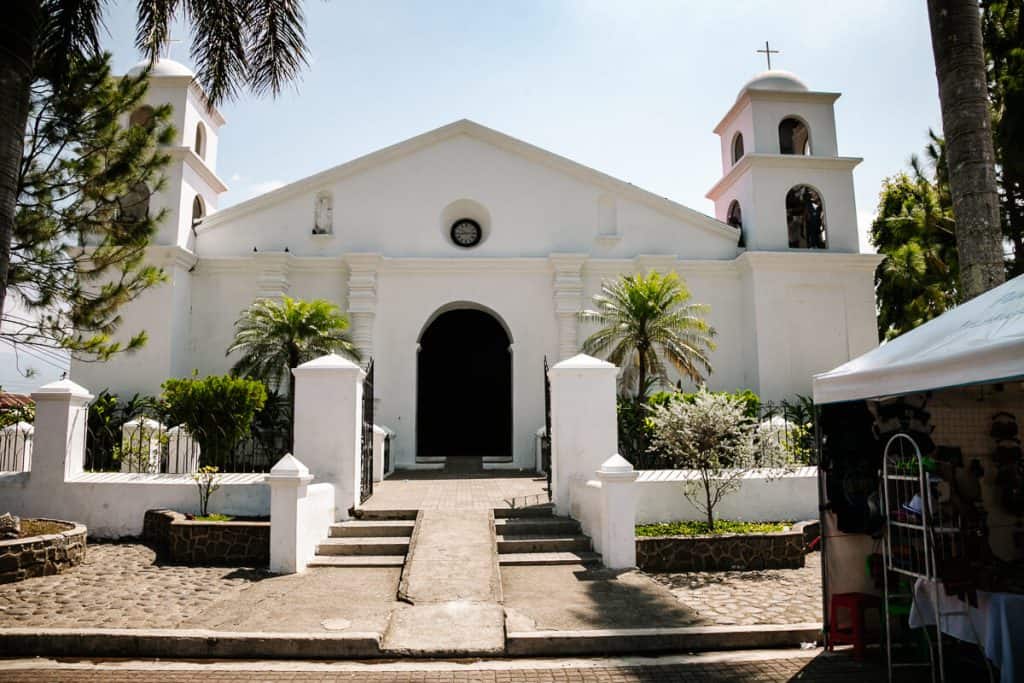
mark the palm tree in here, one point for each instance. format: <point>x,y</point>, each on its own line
<point>966,125</point>
<point>646,318</point>
<point>276,336</point>
<point>259,44</point>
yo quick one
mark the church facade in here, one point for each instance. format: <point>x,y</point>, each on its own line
<point>461,257</point>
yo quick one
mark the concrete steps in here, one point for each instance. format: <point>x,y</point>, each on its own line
<point>361,528</point>
<point>535,536</point>
<point>367,545</point>
<point>536,526</point>
<point>542,544</point>
<point>380,541</point>
<point>357,561</point>
<point>384,515</point>
<point>547,559</point>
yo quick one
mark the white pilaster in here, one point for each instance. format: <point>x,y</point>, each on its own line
<point>618,512</point>
<point>289,483</point>
<point>362,300</point>
<point>584,431</point>
<point>567,288</point>
<point>272,282</point>
<point>329,425</point>
<point>58,449</point>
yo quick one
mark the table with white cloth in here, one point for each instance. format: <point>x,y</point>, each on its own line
<point>996,624</point>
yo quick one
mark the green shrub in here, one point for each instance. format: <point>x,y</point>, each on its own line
<point>26,413</point>
<point>217,410</point>
<point>722,526</point>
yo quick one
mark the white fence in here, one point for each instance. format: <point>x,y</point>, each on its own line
<point>763,496</point>
<point>16,447</point>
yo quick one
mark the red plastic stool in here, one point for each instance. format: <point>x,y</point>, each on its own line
<point>853,634</point>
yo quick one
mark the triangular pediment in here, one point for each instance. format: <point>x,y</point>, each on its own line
<point>476,131</point>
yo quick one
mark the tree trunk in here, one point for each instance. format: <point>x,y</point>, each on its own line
<point>293,362</point>
<point>641,389</point>
<point>711,516</point>
<point>18,34</point>
<point>966,123</point>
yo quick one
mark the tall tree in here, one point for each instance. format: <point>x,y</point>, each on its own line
<point>914,229</point>
<point>274,337</point>
<point>960,70</point>
<point>646,318</point>
<point>259,44</point>
<point>1003,34</point>
<point>82,225</point>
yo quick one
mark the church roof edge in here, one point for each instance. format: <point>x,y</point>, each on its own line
<point>486,134</point>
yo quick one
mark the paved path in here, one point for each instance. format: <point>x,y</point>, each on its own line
<point>120,585</point>
<point>451,581</point>
<point>768,596</point>
<point>426,490</point>
<point>770,665</point>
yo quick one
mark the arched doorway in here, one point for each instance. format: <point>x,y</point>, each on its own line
<point>464,387</point>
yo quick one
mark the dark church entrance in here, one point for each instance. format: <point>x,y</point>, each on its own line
<point>464,388</point>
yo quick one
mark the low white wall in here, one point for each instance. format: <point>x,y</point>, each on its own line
<point>793,496</point>
<point>113,504</point>
<point>585,507</point>
<point>316,515</point>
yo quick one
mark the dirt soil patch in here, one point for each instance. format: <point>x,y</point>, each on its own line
<point>42,527</point>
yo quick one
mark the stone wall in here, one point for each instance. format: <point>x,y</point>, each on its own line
<point>783,550</point>
<point>22,558</point>
<point>184,541</point>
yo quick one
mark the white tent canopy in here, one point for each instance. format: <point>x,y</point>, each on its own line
<point>979,341</point>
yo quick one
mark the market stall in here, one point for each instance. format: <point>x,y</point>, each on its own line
<point>922,477</point>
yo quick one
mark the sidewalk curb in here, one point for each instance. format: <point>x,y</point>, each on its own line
<point>648,640</point>
<point>204,644</point>
<point>185,644</point>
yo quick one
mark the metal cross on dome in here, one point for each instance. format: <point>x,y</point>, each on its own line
<point>768,52</point>
<point>168,46</point>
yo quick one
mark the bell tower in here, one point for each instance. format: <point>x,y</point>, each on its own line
<point>192,187</point>
<point>190,192</point>
<point>783,182</point>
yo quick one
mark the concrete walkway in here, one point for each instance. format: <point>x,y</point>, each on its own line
<point>452,583</point>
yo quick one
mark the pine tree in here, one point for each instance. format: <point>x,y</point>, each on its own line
<point>82,219</point>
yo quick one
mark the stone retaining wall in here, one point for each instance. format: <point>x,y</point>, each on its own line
<point>22,558</point>
<point>781,550</point>
<point>185,541</point>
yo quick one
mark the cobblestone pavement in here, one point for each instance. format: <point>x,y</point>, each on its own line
<point>769,596</point>
<point>119,586</point>
<point>770,666</point>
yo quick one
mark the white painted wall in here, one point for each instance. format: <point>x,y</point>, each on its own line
<point>793,497</point>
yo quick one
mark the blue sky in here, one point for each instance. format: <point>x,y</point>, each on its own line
<point>632,88</point>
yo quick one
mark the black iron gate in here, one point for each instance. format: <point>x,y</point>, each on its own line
<point>545,441</point>
<point>366,488</point>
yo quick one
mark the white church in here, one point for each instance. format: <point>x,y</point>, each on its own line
<point>462,256</point>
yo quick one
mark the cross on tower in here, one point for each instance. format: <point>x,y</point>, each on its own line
<point>167,47</point>
<point>768,52</point>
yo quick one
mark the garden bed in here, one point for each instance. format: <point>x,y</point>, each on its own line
<point>177,539</point>
<point>47,546</point>
<point>722,551</point>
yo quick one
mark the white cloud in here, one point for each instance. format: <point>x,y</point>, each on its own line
<point>264,187</point>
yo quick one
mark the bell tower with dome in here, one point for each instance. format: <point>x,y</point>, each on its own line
<point>189,194</point>
<point>783,182</point>
<point>192,187</point>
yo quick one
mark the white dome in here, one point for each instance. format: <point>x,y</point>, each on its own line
<point>775,80</point>
<point>162,67</point>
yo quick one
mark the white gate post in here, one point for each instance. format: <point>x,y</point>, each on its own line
<point>329,425</point>
<point>289,483</point>
<point>584,427</point>
<point>618,512</point>
<point>58,448</point>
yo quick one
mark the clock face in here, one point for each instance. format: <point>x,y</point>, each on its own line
<point>466,232</point>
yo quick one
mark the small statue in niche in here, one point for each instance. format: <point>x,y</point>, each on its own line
<point>323,215</point>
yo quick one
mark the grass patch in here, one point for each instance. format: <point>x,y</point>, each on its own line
<point>216,517</point>
<point>41,527</point>
<point>722,526</point>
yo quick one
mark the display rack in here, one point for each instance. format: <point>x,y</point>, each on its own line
<point>920,539</point>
